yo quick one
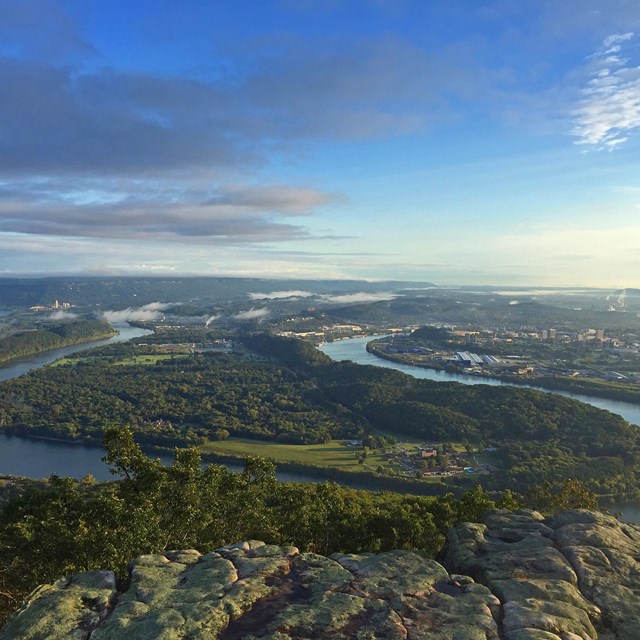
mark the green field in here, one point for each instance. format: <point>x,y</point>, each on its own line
<point>332,454</point>
<point>150,359</point>
<point>146,359</point>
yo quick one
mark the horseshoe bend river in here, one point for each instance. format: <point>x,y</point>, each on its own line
<point>41,458</point>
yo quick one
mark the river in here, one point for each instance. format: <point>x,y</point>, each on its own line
<point>18,366</point>
<point>355,349</point>
<point>39,458</point>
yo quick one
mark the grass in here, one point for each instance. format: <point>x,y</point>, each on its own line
<point>144,360</point>
<point>149,359</point>
<point>332,454</point>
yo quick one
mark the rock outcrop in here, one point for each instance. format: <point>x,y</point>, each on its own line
<point>517,576</point>
<point>575,576</point>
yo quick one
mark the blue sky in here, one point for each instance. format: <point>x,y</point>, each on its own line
<point>459,142</point>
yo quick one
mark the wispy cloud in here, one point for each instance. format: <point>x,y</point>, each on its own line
<point>146,313</point>
<point>212,318</point>
<point>63,315</point>
<point>361,296</point>
<point>279,295</point>
<point>609,107</point>
<point>252,314</point>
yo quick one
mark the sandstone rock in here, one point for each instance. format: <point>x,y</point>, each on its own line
<point>606,556</point>
<point>264,592</point>
<point>516,576</point>
<point>66,610</point>
<point>573,576</point>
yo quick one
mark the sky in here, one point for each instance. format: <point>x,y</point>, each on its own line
<point>454,142</point>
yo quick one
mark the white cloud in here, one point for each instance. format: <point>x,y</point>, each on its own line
<point>63,315</point>
<point>146,313</point>
<point>362,296</point>
<point>211,319</point>
<point>609,107</point>
<point>159,306</point>
<point>252,314</point>
<point>278,295</point>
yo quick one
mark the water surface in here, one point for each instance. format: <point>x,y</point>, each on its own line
<point>18,366</point>
<point>354,349</point>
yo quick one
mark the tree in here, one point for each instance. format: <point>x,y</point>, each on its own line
<point>473,504</point>
<point>572,494</point>
<point>510,500</point>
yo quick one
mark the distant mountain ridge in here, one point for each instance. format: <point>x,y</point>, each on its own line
<point>135,290</point>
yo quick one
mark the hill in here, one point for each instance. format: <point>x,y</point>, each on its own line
<point>117,292</point>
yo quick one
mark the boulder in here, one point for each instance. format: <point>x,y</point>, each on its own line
<point>576,575</point>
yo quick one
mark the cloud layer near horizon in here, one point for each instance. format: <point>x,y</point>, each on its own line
<point>280,295</point>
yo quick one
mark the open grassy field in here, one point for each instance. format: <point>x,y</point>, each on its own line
<point>332,454</point>
<point>150,359</point>
<point>336,453</point>
<point>146,359</point>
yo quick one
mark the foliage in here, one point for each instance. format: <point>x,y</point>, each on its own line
<point>24,343</point>
<point>291,394</point>
<point>67,526</point>
<point>572,494</point>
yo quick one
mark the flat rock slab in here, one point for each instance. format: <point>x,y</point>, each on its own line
<point>252,590</point>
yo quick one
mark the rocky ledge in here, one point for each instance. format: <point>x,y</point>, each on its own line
<point>517,576</point>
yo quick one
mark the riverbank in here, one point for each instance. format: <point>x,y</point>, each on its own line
<point>354,349</point>
<point>58,345</point>
<point>40,457</point>
<point>30,343</point>
<point>547,383</point>
<point>16,367</point>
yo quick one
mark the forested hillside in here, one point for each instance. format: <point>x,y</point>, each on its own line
<point>291,393</point>
<point>25,343</point>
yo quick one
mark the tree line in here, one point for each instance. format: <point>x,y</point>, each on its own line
<point>27,342</point>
